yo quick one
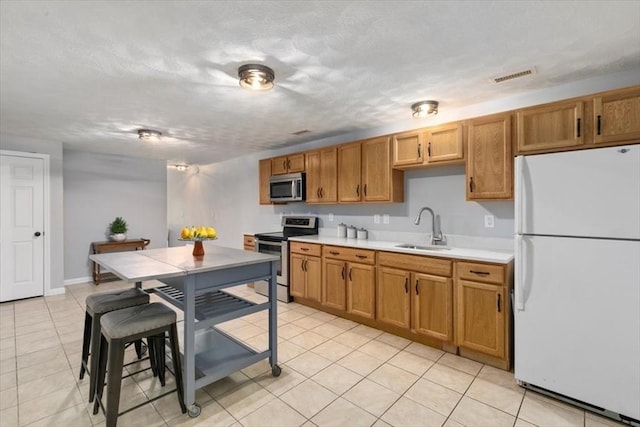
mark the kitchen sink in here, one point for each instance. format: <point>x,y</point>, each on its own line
<point>422,248</point>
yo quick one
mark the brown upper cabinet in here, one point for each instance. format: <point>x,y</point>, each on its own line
<point>552,126</point>
<point>264,173</point>
<point>365,172</point>
<point>431,146</point>
<point>287,164</point>
<point>322,179</point>
<point>616,116</point>
<point>489,160</point>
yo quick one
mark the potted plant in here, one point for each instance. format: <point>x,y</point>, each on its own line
<point>118,229</point>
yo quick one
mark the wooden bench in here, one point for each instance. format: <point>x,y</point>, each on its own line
<point>112,246</point>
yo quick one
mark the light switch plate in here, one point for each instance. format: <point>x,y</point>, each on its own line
<point>489,221</point>
<point>376,219</point>
<point>385,219</point>
<point>330,217</point>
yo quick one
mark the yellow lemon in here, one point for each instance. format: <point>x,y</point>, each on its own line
<point>185,233</point>
<point>211,233</point>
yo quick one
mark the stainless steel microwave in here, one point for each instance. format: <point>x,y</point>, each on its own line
<point>287,188</point>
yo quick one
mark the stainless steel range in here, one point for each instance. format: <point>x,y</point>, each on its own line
<point>277,244</point>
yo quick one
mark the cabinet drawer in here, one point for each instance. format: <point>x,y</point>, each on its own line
<point>305,248</point>
<point>349,254</point>
<point>490,273</point>
<point>249,241</point>
<point>419,263</point>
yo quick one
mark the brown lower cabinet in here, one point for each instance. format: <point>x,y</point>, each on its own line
<point>305,271</point>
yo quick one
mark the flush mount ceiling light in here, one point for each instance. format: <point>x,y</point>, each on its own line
<point>181,168</point>
<point>425,108</point>
<point>149,135</point>
<point>256,77</point>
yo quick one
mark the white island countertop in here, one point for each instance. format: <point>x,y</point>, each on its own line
<point>472,254</point>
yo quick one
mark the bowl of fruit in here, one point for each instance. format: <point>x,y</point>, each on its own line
<point>197,235</point>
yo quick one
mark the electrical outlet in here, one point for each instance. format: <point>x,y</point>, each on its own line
<point>385,219</point>
<point>330,217</point>
<point>489,221</point>
<point>376,219</point>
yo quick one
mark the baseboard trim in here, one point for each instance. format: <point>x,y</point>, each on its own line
<point>55,291</point>
<point>78,280</point>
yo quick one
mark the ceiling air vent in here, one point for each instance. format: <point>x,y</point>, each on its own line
<point>518,74</point>
<point>300,132</point>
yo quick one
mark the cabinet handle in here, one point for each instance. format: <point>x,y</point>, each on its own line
<point>304,265</point>
<point>599,125</point>
<point>321,192</point>
<point>342,273</point>
<point>406,285</point>
<point>499,303</point>
<point>334,252</point>
<point>288,164</point>
<point>419,150</point>
<point>578,128</point>
<point>284,164</point>
<point>417,293</point>
<point>350,279</point>
<point>318,192</point>
<point>429,149</point>
<point>482,273</point>
<point>304,249</point>
<point>358,190</point>
<point>365,189</point>
<point>361,256</point>
<point>470,184</point>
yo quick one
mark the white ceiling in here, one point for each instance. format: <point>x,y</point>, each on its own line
<point>89,74</point>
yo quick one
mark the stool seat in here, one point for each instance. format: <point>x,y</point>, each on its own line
<point>135,320</point>
<point>110,301</point>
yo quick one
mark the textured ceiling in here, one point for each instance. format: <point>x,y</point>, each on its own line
<point>89,74</point>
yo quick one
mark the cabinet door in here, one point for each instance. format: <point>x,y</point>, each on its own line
<point>408,148</point>
<point>295,163</point>
<point>376,170</point>
<point>298,276</point>
<point>617,117</point>
<point>432,307</point>
<point>553,126</point>
<point>444,144</point>
<point>329,175</point>
<point>481,318</point>
<point>312,167</point>
<point>279,165</point>
<point>489,161</point>
<point>349,172</point>
<point>313,290</point>
<point>361,287</point>
<point>393,298</point>
<point>264,169</point>
<point>333,283</point>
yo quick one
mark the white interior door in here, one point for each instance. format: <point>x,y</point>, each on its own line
<point>21,227</point>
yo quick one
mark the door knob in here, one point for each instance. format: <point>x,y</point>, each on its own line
<point>37,234</point>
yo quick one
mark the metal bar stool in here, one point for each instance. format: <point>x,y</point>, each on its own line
<point>97,305</point>
<point>151,321</point>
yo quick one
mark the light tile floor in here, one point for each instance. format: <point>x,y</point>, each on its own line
<point>334,373</point>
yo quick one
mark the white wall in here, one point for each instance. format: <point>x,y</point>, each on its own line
<point>98,188</point>
<point>56,234</point>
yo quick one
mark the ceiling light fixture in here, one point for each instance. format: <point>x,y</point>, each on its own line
<point>149,135</point>
<point>425,108</point>
<point>181,168</point>
<point>256,77</point>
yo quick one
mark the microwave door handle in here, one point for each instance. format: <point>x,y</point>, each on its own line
<point>293,188</point>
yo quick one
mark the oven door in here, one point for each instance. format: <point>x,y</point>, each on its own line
<point>281,250</point>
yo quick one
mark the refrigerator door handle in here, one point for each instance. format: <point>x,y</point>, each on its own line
<point>519,197</point>
<point>521,273</point>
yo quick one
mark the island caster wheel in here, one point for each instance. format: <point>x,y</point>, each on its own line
<point>276,370</point>
<point>194,410</point>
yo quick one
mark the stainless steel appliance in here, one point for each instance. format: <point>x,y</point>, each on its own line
<point>287,188</point>
<point>277,244</point>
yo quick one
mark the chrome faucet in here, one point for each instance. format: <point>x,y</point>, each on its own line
<point>436,233</point>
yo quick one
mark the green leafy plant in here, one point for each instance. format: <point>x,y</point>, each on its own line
<point>118,226</point>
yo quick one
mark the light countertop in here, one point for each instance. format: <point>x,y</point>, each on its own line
<point>473,254</point>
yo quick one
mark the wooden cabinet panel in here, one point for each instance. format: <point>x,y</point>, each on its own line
<point>297,281</point>
<point>361,290</point>
<point>558,125</point>
<point>302,248</point>
<point>376,170</point>
<point>249,242</point>
<point>313,269</point>
<point>491,273</point>
<point>445,144</point>
<point>393,297</point>
<point>349,172</point>
<point>287,164</point>
<point>419,263</point>
<point>489,160</point>
<point>264,173</point>
<point>617,116</point>
<point>321,174</point>
<point>279,165</point>
<point>432,308</point>
<point>333,284</point>
<point>408,148</point>
<point>362,256</point>
<point>481,317</point>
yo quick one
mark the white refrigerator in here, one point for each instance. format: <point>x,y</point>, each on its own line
<point>577,277</point>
